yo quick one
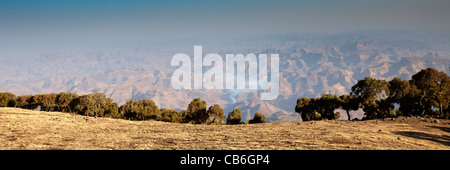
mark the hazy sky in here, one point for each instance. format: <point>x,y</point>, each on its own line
<point>47,25</point>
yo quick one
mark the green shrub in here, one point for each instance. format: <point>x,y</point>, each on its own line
<point>45,101</point>
<point>7,99</point>
<point>171,115</point>
<point>234,117</point>
<point>24,102</point>
<point>49,102</point>
<point>196,112</point>
<point>143,109</point>
<point>183,114</point>
<point>63,100</point>
<point>216,114</point>
<point>95,104</point>
<point>258,118</point>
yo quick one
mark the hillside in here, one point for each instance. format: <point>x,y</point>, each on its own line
<point>27,129</point>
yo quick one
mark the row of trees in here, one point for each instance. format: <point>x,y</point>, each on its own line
<point>427,93</point>
<point>98,105</point>
<point>198,114</point>
<point>95,104</point>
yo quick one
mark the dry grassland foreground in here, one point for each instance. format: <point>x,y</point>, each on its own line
<point>22,129</point>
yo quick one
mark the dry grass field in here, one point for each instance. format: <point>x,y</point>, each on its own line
<point>31,130</point>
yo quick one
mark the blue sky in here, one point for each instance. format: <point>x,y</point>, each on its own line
<point>32,24</point>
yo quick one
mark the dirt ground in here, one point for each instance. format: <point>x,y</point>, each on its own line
<point>31,130</point>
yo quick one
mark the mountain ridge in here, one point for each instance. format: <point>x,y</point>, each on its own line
<point>306,70</point>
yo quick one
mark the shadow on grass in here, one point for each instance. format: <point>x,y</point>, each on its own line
<point>444,139</point>
<point>445,129</point>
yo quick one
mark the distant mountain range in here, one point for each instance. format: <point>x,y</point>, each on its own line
<point>310,65</point>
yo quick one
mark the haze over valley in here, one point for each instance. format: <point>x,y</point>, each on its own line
<point>310,65</point>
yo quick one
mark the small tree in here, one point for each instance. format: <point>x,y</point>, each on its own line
<point>234,117</point>
<point>196,112</point>
<point>435,86</point>
<point>258,118</point>
<point>216,113</point>
<point>143,109</point>
<point>7,99</point>
<point>369,91</point>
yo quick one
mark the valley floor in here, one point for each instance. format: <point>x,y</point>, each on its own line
<point>31,130</point>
